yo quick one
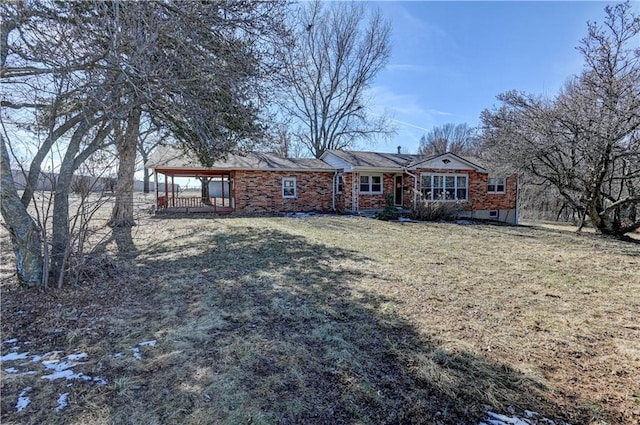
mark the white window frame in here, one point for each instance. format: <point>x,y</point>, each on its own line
<point>370,184</point>
<point>285,187</point>
<point>495,182</point>
<point>494,214</point>
<point>339,183</point>
<point>430,188</point>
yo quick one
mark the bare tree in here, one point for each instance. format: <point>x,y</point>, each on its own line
<point>66,108</point>
<point>193,67</point>
<point>460,139</point>
<point>338,52</point>
<point>586,141</point>
<point>150,137</point>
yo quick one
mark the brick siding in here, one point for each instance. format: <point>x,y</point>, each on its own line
<point>479,198</point>
<point>260,192</point>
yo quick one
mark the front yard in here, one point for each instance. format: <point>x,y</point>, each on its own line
<point>330,320</point>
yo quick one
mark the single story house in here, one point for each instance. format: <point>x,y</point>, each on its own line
<point>339,181</point>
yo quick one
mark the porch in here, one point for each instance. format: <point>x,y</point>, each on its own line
<point>219,184</point>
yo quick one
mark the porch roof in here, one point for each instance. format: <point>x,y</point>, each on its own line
<point>166,158</point>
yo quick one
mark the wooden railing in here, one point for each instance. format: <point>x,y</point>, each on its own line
<point>165,202</point>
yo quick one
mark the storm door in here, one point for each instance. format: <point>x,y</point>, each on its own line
<point>397,196</point>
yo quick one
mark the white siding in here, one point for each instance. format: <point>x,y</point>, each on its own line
<point>337,162</point>
<point>439,163</point>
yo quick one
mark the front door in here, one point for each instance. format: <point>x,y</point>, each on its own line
<point>397,198</point>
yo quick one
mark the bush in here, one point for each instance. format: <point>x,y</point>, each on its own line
<point>390,212</point>
<point>426,210</point>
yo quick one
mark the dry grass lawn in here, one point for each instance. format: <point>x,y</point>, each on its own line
<point>332,320</point>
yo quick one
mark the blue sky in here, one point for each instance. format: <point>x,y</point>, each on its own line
<point>451,59</point>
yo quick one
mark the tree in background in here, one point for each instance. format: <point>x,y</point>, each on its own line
<point>150,137</point>
<point>459,139</point>
<point>586,141</point>
<point>338,51</point>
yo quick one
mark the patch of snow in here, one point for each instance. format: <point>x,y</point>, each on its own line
<point>23,400</point>
<point>100,380</point>
<point>10,341</point>
<point>66,374</point>
<point>149,343</point>
<point>80,356</point>
<point>14,356</point>
<point>531,418</point>
<point>62,402</point>
<point>11,370</point>
<point>497,419</point>
<point>136,353</point>
<point>57,365</point>
<point>38,358</point>
<point>118,355</point>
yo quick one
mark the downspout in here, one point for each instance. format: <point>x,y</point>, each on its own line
<point>415,186</point>
<point>517,196</point>
<point>333,191</point>
<point>355,192</point>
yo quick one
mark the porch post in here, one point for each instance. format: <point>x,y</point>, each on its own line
<point>222,184</point>
<point>155,180</point>
<point>234,191</point>
<point>173,192</point>
<point>166,190</point>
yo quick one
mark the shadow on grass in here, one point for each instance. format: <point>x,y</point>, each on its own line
<point>265,327</point>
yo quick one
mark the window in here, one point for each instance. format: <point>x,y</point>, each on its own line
<point>493,214</point>
<point>444,187</point>
<point>370,184</point>
<point>339,183</point>
<point>289,187</point>
<point>496,185</point>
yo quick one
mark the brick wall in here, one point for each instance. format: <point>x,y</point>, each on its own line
<point>261,192</point>
<point>367,201</point>
<point>479,199</point>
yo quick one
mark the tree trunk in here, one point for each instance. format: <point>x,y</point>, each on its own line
<point>206,198</point>
<point>147,177</point>
<point>122,214</point>
<point>60,236</point>
<point>605,223</point>
<point>26,239</point>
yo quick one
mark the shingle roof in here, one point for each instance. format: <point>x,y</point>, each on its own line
<point>169,157</point>
<point>392,160</point>
<point>378,159</point>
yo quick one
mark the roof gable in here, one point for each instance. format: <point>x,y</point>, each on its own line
<point>447,161</point>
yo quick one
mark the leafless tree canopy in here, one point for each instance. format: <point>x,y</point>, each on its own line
<point>459,139</point>
<point>338,52</point>
<point>90,72</point>
<point>586,141</point>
